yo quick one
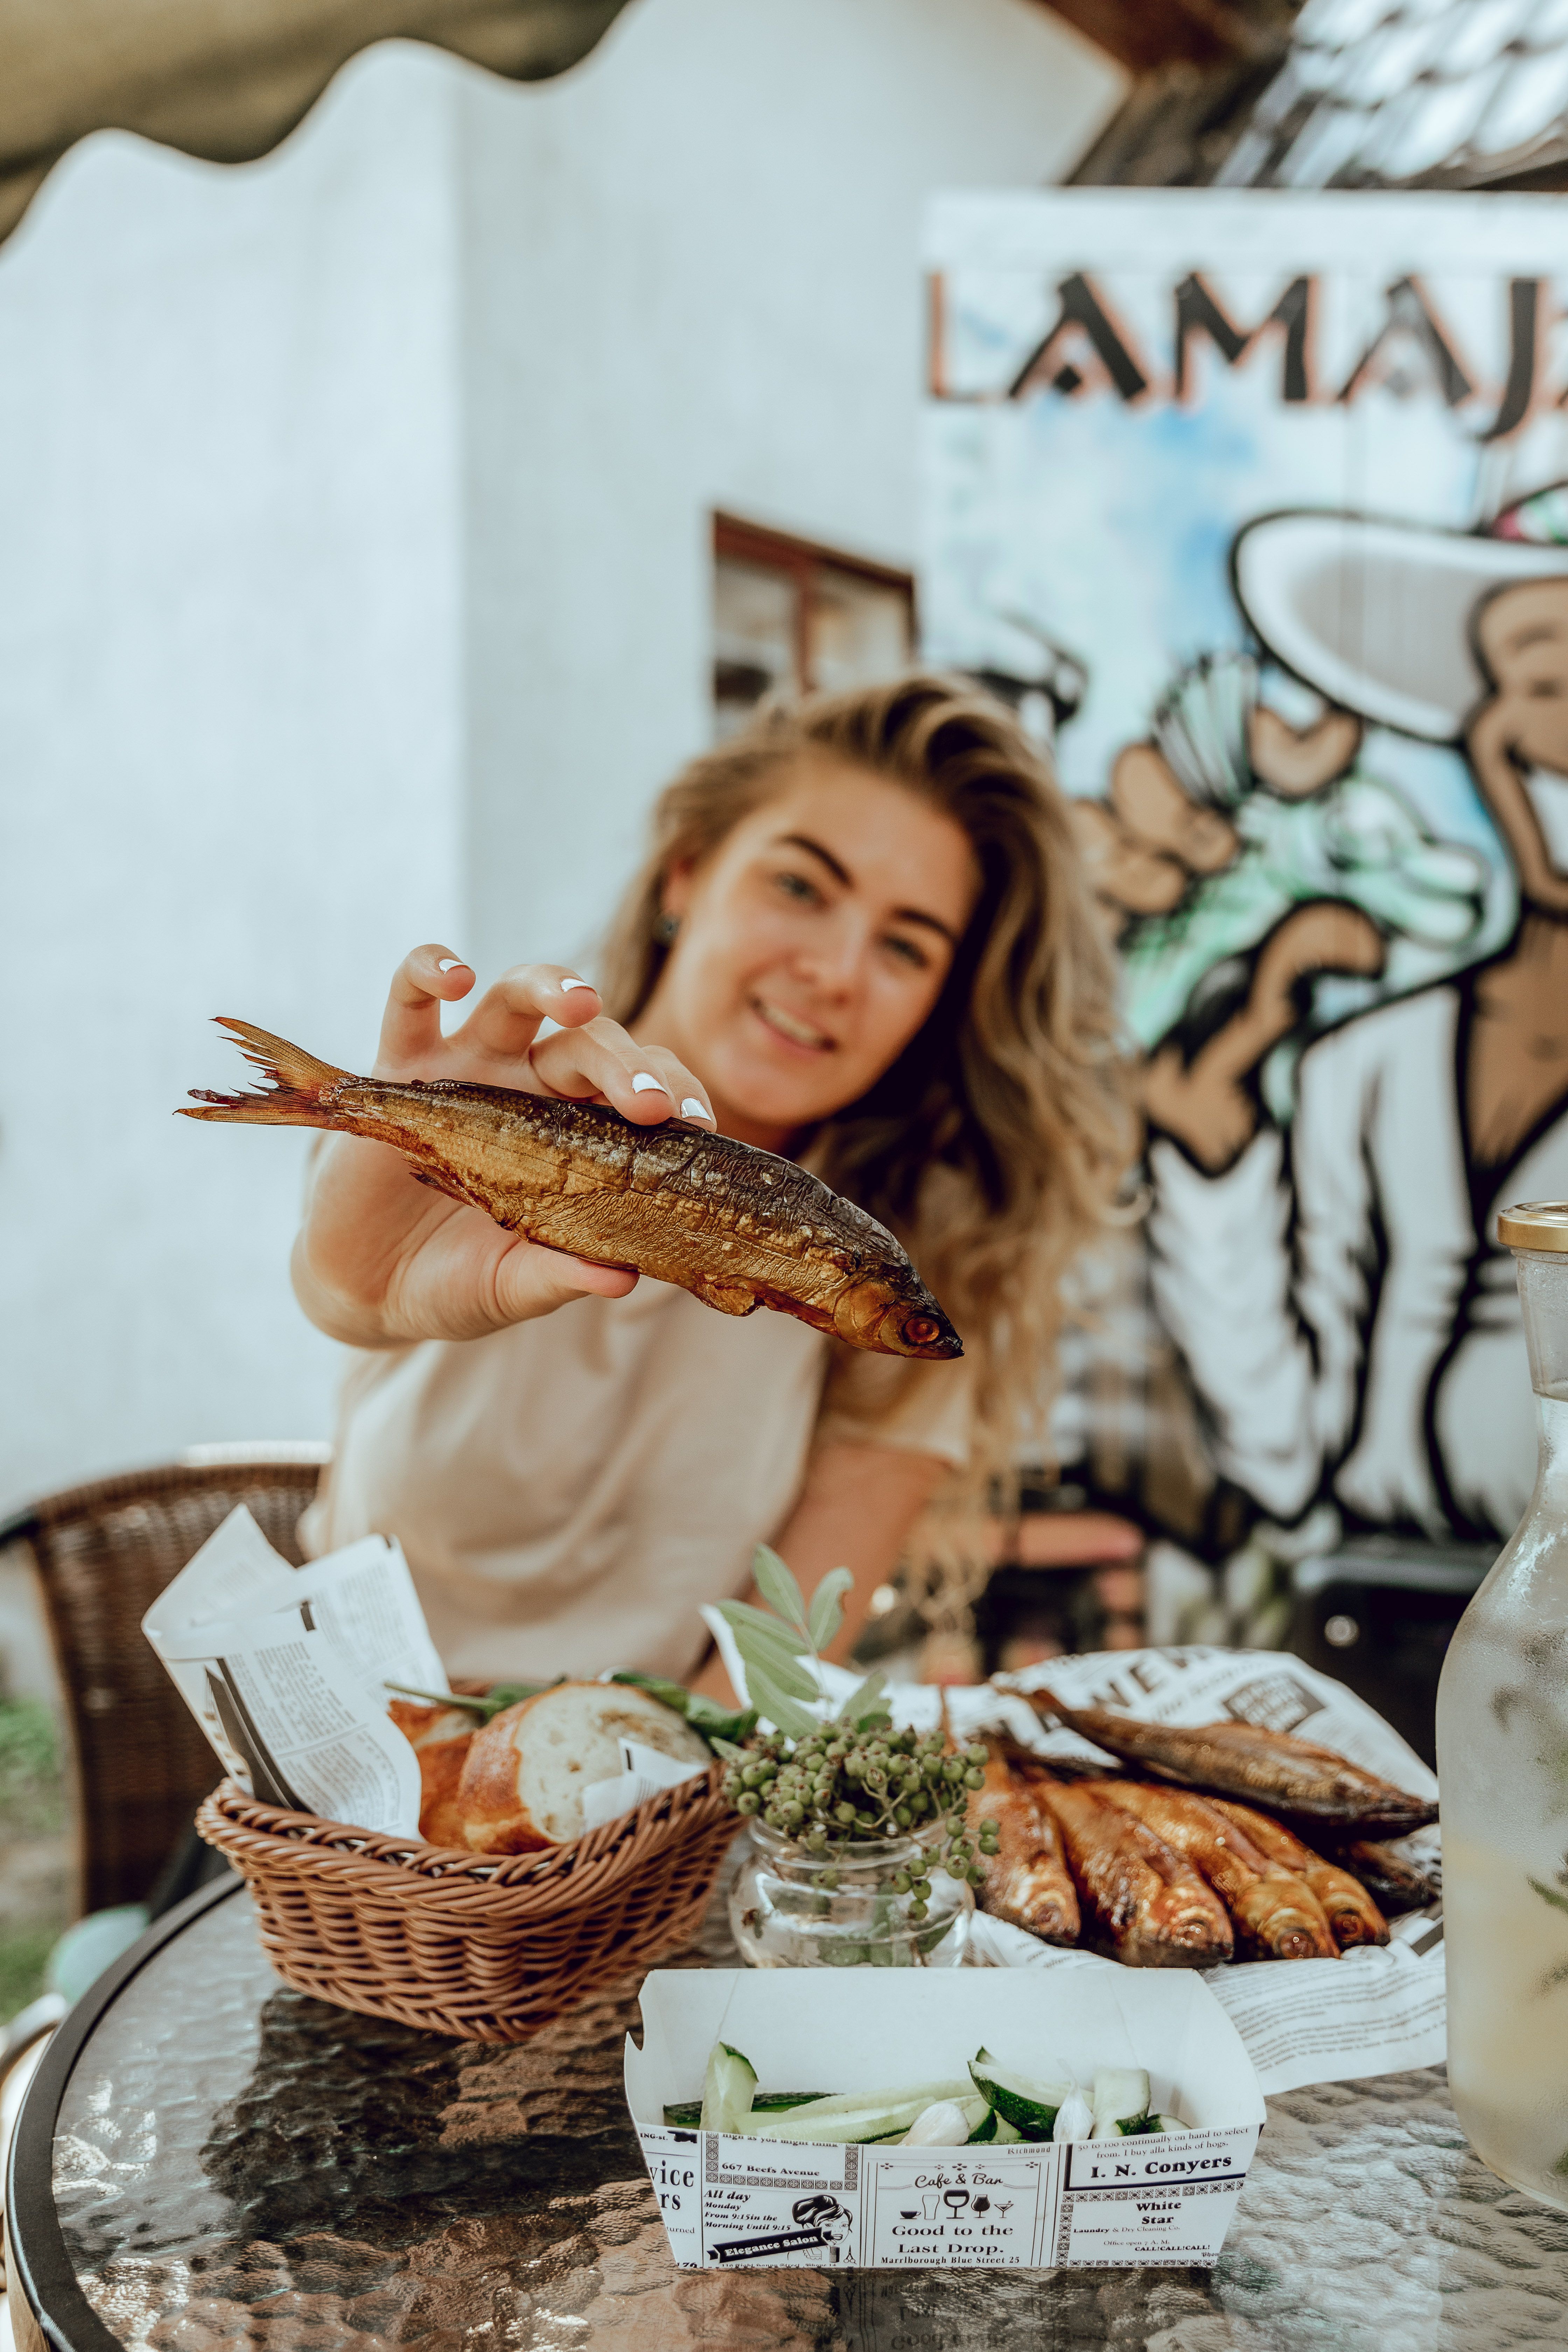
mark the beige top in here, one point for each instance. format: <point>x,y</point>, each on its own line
<point>568,1492</point>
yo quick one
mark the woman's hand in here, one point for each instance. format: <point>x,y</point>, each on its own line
<point>381,1259</point>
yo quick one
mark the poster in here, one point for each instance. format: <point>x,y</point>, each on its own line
<point>1261,503</point>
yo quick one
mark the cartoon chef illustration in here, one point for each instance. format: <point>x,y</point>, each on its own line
<point>1335,1287</point>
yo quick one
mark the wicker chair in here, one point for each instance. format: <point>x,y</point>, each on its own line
<point>101,1554</point>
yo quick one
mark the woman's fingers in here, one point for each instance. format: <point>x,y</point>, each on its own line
<point>532,1281</point>
<point>586,1059</point>
<point>600,1063</point>
<point>427,977</point>
<point>508,1017</point>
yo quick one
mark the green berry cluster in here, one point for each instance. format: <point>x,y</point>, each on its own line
<point>837,1785</point>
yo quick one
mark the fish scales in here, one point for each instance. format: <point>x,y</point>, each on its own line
<point>586,1188</point>
<point>739,1228</point>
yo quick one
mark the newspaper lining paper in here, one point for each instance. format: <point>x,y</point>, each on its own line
<point>288,1672</point>
<point>644,1774</point>
<point>1374,2012</point>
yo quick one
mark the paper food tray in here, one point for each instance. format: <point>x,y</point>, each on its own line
<point>733,2204</point>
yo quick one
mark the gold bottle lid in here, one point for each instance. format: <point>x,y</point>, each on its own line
<point>1534,1225</point>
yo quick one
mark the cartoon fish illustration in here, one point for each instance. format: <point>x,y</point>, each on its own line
<point>737,1227</point>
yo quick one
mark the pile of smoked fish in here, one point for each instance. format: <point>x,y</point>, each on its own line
<point>1231,1843</point>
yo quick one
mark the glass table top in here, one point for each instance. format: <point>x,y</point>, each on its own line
<point>235,2164</point>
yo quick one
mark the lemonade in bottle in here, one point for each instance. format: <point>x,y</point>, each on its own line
<point>1502,1774</point>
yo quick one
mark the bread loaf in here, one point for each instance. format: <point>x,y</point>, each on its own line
<point>440,1736</point>
<point>523,1777</point>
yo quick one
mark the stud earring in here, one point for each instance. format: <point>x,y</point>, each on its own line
<point>664,928</point>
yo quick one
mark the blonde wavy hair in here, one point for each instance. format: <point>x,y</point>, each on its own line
<point>995,1143</point>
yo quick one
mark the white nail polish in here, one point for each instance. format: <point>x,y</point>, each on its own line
<point>567,985</point>
<point>450,963</point>
<point>692,1109</point>
<point>644,1083</point>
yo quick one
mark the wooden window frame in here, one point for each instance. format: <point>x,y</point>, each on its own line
<point>803,561</point>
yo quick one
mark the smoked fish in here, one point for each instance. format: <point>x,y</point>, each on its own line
<point>737,1227</point>
<point>1351,1913</point>
<point>1276,1914</point>
<point>1148,1908</point>
<point>1394,1880</point>
<point>1311,1786</point>
<point>1027,1881</point>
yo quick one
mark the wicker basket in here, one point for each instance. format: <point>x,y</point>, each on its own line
<point>484,1948</point>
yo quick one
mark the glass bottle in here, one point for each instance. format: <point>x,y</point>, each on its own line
<point>792,1909</point>
<point>1502,1773</point>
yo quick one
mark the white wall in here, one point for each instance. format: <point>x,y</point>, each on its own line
<point>725,310</point>
<point>353,588</point>
<point>230,706</point>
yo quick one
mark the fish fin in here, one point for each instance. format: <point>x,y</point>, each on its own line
<point>451,1188</point>
<point>299,1089</point>
<point>729,1298</point>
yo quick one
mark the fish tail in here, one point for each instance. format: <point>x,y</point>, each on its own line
<point>299,1091</point>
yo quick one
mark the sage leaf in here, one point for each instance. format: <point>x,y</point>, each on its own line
<point>785,1713</point>
<point>779,1589</point>
<point>789,1675</point>
<point>868,1699</point>
<point>741,1618</point>
<point>826,1612</point>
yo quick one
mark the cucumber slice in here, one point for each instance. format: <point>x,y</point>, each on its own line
<point>686,2114</point>
<point>728,2090</point>
<point>852,2115</point>
<point>995,2131</point>
<point>1120,2098</point>
<point>1028,2105</point>
<point>848,2126</point>
<point>891,2095</point>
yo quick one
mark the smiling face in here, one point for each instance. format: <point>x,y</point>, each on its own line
<point>1522,636</point>
<point>814,944</point>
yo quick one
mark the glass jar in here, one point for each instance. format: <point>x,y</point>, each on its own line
<point>1502,1772</point>
<point>784,1914</point>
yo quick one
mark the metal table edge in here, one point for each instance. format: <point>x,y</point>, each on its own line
<point>38,2268</point>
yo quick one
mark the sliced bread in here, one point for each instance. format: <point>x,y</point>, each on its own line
<point>525,1775</point>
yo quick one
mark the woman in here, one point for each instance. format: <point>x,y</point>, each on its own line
<point>863,934</point>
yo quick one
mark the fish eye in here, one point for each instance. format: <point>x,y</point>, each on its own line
<point>921,1330</point>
